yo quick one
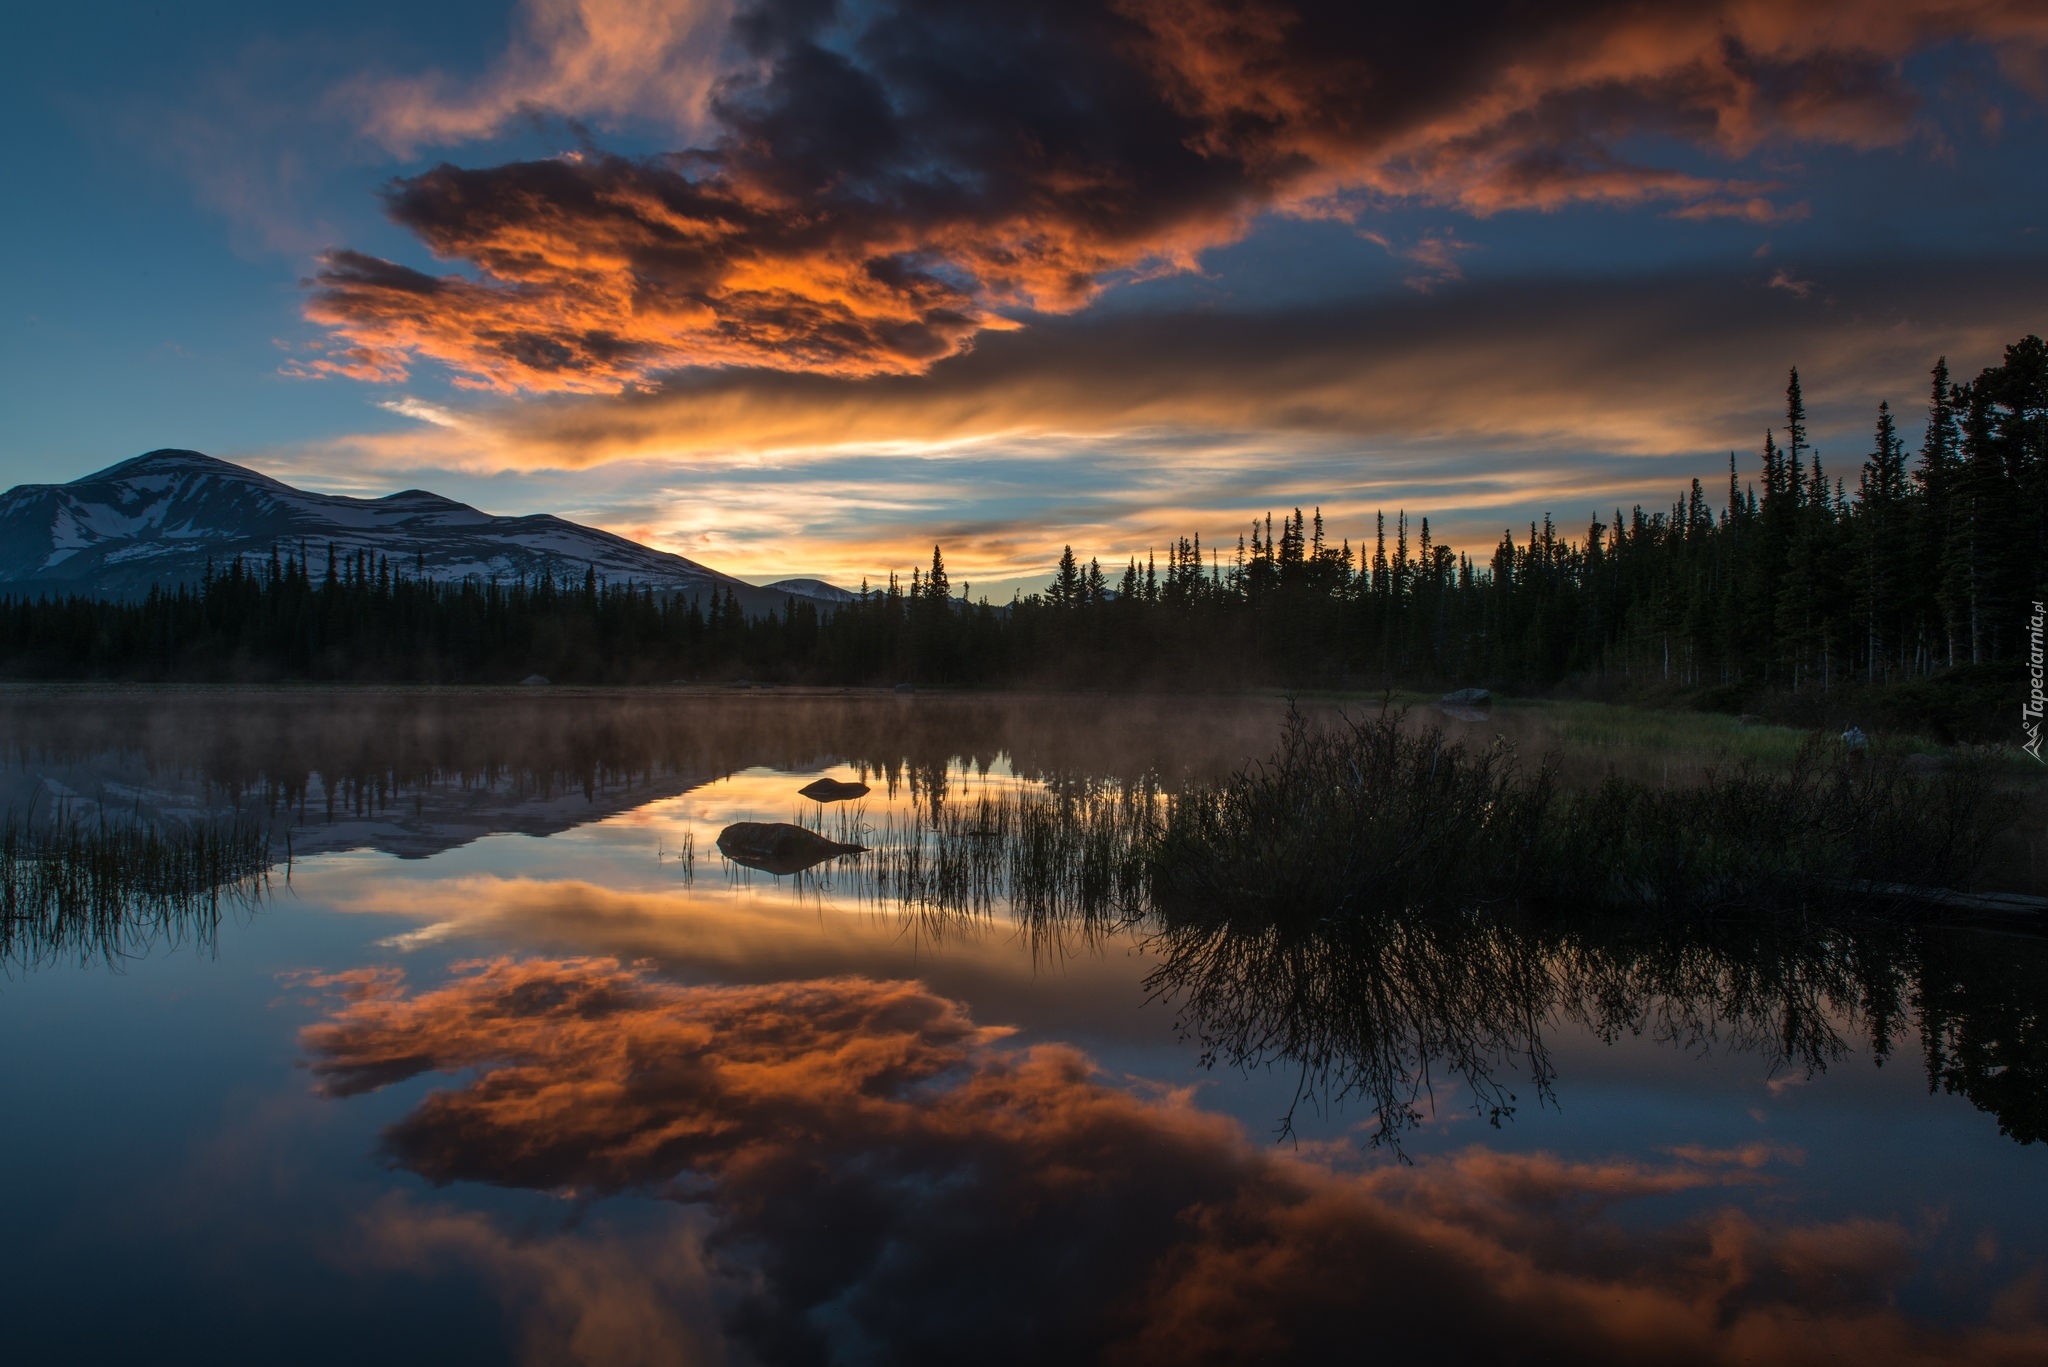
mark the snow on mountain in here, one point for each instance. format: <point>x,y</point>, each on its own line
<point>160,518</point>
<point>813,588</point>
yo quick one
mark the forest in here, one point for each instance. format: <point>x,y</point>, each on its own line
<point>1900,588</point>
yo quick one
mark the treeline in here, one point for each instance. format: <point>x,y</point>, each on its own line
<point>1797,583</point>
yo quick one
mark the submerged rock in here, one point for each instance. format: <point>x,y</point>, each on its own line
<point>1467,697</point>
<point>778,847</point>
<point>832,790</point>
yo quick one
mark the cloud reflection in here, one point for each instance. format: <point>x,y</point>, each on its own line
<point>886,1179</point>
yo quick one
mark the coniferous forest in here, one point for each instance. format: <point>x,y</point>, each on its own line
<point>1901,585</point>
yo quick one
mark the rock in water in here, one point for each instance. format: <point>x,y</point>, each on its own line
<point>778,847</point>
<point>1467,697</point>
<point>832,790</point>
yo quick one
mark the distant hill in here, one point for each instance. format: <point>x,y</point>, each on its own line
<point>814,588</point>
<point>161,517</point>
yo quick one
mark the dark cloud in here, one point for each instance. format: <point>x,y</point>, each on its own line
<point>889,182</point>
<point>887,1180</point>
<point>1637,365</point>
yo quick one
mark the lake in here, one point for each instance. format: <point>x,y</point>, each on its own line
<point>505,1061</point>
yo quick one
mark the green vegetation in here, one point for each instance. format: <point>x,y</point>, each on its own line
<point>1063,862</point>
<point>1354,819</point>
<point>1902,605</point>
<point>1369,816</point>
<point>1379,908</point>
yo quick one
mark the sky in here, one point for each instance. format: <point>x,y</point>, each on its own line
<point>796,287</point>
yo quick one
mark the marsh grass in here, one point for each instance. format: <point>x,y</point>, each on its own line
<point>683,858</point>
<point>111,890</point>
<point>1379,815</point>
<point>1362,817</point>
<point>1397,919</point>
<point>1064,863</point>
<point>1348,818</point>
<point>1830,827</point>
<point>1670,746</point>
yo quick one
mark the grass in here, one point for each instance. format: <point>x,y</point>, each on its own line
<point>111,890</point>
<point>1064,863</point>
<point>1357,818</point>
<point>1381,908</point>
<point>1377,814</point>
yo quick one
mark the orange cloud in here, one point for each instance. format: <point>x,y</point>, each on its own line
<point>1117,433</point>
<point>596,58</point>
<point>877,1169</point>
<point>884,187</point>
<point>604,1301</point>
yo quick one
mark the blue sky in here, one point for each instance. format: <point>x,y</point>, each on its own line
<point>1470,308</point>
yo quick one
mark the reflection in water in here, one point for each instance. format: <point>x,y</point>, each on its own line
<point>779,847</point>
<point>1983,1004</point>
<point>111,890</point>
<point>416,771</point>
<point>1375,1010</point>
<point>819,1160</point>
<point>1368,1010</point>
<point>886,1180</point>
<point>833,790</point>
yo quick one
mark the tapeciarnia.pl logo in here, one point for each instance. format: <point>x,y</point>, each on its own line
<point>2030,711</point>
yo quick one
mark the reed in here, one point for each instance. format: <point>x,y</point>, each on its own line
<point>1371,815</point>
<point>1348,819</point>
<point>1063,862</point>
<point>111,890</point>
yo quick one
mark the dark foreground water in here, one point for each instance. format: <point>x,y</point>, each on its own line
<point>511,1065</point>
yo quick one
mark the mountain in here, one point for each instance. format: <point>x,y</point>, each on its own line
<point>814,588</point>
<point>160,518</point>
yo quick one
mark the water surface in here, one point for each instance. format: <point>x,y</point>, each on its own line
<point>508,1064</point>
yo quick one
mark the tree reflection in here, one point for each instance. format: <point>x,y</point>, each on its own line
<point>1368,1010</point>
<point>1376,1011</point>
<point>1983,1008</point>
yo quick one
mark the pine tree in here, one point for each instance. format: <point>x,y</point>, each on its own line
<point>1065,589</point>
<point>1880,508</point>
<point>1795,423</point>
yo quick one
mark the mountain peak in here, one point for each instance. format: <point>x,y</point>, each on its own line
<point>161,518</point>
<point>813,588</point>
<point>170,460</point>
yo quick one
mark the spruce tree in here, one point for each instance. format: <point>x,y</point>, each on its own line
<point>1065,589</point>
<point>1880,533</point>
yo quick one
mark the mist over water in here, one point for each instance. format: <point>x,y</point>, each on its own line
<point>505,1061</point>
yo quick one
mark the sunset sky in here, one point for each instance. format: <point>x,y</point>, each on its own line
<point>802,288</point>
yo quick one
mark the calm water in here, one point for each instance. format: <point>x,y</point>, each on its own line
<point>511,1065</point>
